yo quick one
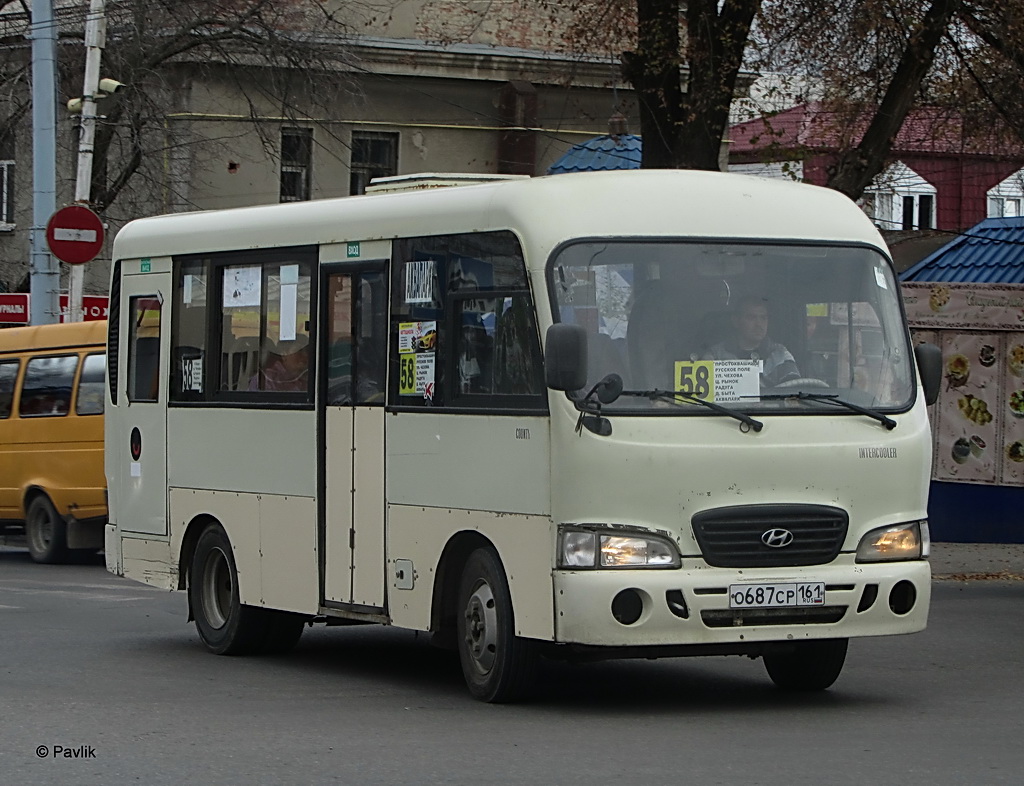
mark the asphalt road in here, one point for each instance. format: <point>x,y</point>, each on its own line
<point>108,668</point>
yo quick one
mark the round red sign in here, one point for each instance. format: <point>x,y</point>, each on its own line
<point>74,234</point>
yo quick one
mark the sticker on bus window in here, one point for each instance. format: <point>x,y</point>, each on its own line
<point>718,380</point>
<point>419,281</point>
<point>191,374</point>
<point>416,374</point>
<point>417,337</point>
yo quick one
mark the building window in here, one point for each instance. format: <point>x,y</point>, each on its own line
<point>900,198</point>
<point>925,211</point>
<point>296,163</point>
<point>1006,199</point>
<point>374,154</point>
<point>6,187</point>
<point>918,211</point>
<point>1003,207</point>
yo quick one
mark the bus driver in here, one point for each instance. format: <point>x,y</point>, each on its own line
<point>750,340</point>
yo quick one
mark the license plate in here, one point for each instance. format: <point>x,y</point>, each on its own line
<point>776,596</point>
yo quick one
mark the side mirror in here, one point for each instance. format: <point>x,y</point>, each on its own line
<point>929,366</point>
<point>565,357</point>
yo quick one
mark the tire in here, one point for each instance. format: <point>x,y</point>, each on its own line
<point>498,666</point>
<point>223,623</point>
<point>813,665</point>
<point>45,532</point>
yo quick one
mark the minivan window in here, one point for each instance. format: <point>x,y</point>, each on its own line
<point>8,376</point>
<point>90,385</point>
<point>46,391</point>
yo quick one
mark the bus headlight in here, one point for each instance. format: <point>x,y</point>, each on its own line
<point>595,549</point>
<point>898,542</point>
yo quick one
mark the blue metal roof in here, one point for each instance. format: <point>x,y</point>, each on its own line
<point>600,153</point>
<point>991,252</point>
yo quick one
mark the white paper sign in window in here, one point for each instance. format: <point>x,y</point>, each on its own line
<point>419,281</point>
<point>242,286</point>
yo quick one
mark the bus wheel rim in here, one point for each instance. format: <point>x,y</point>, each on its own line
<point>482,627</point>
<point>217,586</point>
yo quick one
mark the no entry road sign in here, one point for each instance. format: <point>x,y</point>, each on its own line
<point>74,234</point>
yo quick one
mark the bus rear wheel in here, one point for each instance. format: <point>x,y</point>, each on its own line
<point>45,532</point>
<point>811,666</point>
<point>226,626</point>
<point>498,665</point>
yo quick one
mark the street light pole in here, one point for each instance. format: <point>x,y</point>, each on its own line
<point>95,40</point>
<point>44,274</point>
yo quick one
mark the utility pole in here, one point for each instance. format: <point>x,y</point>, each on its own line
<point>95,40</point>
<point>44,274</point>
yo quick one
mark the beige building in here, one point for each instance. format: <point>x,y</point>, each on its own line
<point>438,87</point>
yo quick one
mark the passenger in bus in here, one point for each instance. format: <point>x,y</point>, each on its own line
<point>286,367</point>
<point>749,339</point>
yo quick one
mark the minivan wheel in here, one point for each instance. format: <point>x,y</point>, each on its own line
<point>45,532</point>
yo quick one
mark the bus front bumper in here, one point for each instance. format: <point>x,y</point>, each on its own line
<point>638,608</point>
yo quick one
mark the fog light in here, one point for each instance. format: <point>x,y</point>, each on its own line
<point>902,597</point>
<point>627,606</point>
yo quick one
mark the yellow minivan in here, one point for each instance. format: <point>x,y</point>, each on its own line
<point>51,437</point>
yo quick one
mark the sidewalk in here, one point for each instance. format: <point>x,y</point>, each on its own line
<point>978,561</point>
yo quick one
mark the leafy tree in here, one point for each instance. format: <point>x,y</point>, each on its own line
<point>876,61</point>
<point>879,62</point>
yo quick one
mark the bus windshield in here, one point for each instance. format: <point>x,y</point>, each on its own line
<point>757,327</point>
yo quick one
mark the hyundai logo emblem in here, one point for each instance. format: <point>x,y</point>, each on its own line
<point>777,538</point>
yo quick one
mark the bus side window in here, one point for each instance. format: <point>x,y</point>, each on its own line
<point>517,363</point>
<point>46,391</point>
<point>189,331</point>
<point>496,346</point>
<point>8,376</point>
<point>90,385</point>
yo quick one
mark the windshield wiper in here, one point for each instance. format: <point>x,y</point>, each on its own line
<point>831,398</point>
<point>675,395</point>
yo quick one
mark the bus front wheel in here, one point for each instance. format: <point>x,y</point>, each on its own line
<point>45,531</point>
<point>226,626</point>
<point>812,665</point>
<point>498,665</point>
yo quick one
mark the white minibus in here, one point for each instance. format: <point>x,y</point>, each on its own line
<point>619,414</point>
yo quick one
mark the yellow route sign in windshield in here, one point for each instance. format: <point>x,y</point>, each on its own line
<point>718,380</point>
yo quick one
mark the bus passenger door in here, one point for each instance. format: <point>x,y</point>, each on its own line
<point>353,356</point>
<point>140,453</point>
